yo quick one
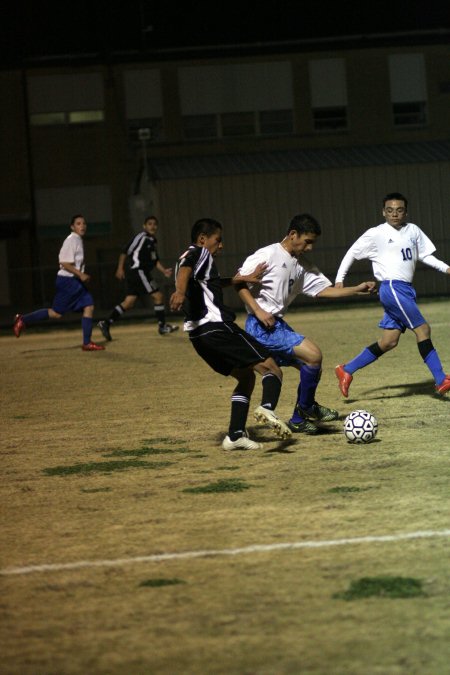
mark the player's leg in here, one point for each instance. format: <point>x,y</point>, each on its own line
<point>431,358</point>
<point>86,327</point>
<point>21,321</point>
<point>160,314</point>
<point>116,314</point>
<point>272,378</point>
<point>237,437</point>
<point>344,372</point>
<point>309,364</point>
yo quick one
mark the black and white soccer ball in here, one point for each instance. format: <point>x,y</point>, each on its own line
<point>360,427</point>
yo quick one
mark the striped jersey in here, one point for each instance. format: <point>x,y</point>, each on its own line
<point>142,252</point>
<point>393,253</point>
<point>285,277</point>
<point>204,296</point>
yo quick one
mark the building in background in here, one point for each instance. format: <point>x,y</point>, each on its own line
<point>249,136</point>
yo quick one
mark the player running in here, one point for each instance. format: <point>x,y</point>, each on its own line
<point>394,247</point>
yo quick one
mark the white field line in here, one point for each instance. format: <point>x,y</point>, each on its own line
<point>257,548</point>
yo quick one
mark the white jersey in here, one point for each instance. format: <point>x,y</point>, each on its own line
<point>284,279</point>
<point>393,253</point>
<point>72,251</point>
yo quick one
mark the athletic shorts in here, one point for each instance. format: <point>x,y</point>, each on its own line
<point>225,346</point>
<point>139,282</point>
<point>400,308</point>
<point>71,295</point>
<point>280,339</point>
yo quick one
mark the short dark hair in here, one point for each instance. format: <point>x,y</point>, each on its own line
<point>207,226</point>
<point>73,219</point>
<point>303,223</point>
<point>397,196</point>
<point>147,218</point>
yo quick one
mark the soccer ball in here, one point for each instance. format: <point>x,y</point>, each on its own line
<point>360,427</point>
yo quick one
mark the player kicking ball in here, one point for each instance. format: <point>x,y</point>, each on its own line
<point>219,341</point>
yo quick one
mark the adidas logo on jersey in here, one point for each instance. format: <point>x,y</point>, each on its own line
<point>284,265</point>
<point>391,241</point>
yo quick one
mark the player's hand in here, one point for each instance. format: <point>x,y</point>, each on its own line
<point>120,274</point>
<point>266,318</point>
<point>253,277</point>
<point>176,301</point>
<point>367,287</point>
<point>85,278</point>
<point>339,284</point>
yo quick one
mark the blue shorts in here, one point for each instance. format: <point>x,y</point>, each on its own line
<point>71,295</point>
<point>400,308</point>
<point>279,340</point>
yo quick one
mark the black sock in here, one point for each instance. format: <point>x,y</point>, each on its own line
<point>160,314</point>
<point>239,414</point>
<point>117,312</point>
<point>271,388</point>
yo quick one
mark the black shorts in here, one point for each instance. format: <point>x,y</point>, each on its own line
<point>225,346</point>
<point>139,282</point>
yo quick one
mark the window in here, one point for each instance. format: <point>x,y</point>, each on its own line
<point>199,127</point>
<point>408,90</point>
<point>328,84</point>
<point>238,124</point>
<point>66,99</point>
<point>276,122</point>
<point>143,104</point>
<point>236,100</point>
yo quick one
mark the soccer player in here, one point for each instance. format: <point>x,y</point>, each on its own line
<point>287,273</point>
<point>71,292</point>
<point>136,262</point>
<point>219,341</point>
<point>394,247</point>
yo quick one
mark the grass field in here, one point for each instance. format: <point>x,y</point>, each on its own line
<point>132,544</point>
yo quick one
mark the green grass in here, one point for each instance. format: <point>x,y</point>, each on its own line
<point>142,452</point>
<point>225,485</point>
<point>102,467</point>
<point>155,583</point>
<point>382,587</point>
<point>345,489</point>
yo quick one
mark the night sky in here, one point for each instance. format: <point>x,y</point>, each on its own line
<point>48,28</point>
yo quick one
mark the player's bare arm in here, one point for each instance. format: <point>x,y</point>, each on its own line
<point>178,296</point>
<point>341,291</point>
<point>240,281</point>
<point>167,271</point>
<point>120,271</point>
<point>70,267</point>
<point>266,318</point>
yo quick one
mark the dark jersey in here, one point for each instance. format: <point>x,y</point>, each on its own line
<point>204,296</point>
<point>142,252</point>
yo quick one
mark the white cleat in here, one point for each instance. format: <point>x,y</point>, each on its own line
<point>242,443</point>
<point>266,416</point>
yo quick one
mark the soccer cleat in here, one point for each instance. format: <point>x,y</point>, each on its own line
<point>444,386</point>
<point>345,380</point>
<point>319,412</point>
<point>167,328</point>
<point>242,443</point>
<point>19,325</point>
<point>104,327</point>
<point>305,427</point>
<point>266,416</point>
<point>92,347</point>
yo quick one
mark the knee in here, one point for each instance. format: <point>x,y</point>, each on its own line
<point>387,345</point>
